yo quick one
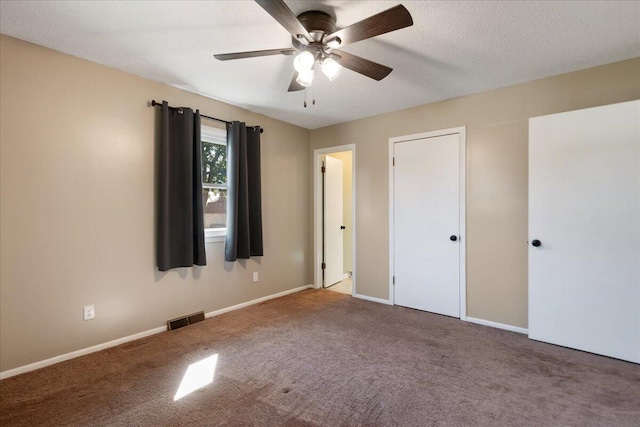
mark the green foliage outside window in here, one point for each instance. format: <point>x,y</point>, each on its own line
<point>214,162</point>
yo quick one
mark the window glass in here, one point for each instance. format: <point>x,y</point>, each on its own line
<point>214,162</point>
<point>214,178</point>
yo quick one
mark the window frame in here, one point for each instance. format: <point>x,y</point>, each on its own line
<point>214,136</point>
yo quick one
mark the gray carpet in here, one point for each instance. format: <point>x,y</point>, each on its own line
<point>320,358</point>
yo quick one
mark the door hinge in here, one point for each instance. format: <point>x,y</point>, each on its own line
<point>393,161</point>
<point>394,280</point>
<point>323,169</point>
<point>324,265</point>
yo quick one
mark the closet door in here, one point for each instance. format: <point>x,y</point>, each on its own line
<point>584,230</point>
<point>427,224</point>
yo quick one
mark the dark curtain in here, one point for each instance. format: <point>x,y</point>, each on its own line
<point>244,199</point>
<point>180,234</point>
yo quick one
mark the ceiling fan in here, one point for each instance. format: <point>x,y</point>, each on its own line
<point>315,39</point>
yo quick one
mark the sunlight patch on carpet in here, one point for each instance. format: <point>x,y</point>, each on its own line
<point>198,375</point>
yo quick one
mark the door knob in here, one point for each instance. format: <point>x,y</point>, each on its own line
<point>453,238</point>
<point>536,243</point>
<point>342,227</point>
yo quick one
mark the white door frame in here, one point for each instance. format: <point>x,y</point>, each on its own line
<point>462,131</point>
<point>317,212</point>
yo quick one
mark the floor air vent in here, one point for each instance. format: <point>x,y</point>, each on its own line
<point>179,322</point>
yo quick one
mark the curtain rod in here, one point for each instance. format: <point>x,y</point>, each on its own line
<point>153,103</point>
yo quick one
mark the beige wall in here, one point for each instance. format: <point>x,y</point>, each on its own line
<point>77,198</point>
<point>347,206</point>
<point>77,208</point>
<point>497,126</point>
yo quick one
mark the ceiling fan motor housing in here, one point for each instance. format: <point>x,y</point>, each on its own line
<point>318,24</point>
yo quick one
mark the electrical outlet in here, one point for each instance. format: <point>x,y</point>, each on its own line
<point>255,276</point>
<point>89,312</point>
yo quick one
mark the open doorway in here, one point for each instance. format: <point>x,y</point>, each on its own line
<point>334,219</point>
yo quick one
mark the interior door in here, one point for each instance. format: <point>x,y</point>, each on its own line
<point>426,224</point>
<point>333,200</point>
<point>584,230</point>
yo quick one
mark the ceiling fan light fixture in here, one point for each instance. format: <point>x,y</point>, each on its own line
<point>305,77</point>
<point>304,62</point>
<point>334,42</point>
<point>331,68</point>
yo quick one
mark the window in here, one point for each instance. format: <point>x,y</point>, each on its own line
<point>214,182</point>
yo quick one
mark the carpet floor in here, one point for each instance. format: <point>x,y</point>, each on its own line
<point>321,358</point>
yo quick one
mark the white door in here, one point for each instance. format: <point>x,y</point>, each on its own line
<point>584,219</point>
<point>427,224</point>
<point>333,245</point>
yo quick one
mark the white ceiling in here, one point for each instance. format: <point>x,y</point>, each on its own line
<point>453,48</point>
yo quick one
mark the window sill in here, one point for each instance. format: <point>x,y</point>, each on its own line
<point>214,236</point>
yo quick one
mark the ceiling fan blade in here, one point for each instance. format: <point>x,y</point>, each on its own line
<point>281,13</point>
<point>384,22</point>
<point>363,66</point>
<point>294,85</point>
<point>253,54</point>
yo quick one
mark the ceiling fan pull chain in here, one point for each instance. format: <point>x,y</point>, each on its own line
<point>305,97</point>
<point>314,95</point>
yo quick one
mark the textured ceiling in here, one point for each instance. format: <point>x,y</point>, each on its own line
<point>453,48</point>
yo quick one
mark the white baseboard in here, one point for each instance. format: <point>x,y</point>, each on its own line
<point>78,353</point>
<point>57,359</point>
<point>256,301</point>
<point>378,300</point>
<point>498,325</point>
